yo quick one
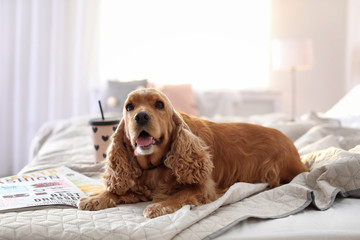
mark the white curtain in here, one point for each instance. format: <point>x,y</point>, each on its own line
<point>48,64</point>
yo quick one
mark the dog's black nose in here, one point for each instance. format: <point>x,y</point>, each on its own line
<point>142,118</point>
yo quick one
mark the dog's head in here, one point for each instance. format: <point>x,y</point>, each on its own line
<point>148,116</point>
<point>151,133</point>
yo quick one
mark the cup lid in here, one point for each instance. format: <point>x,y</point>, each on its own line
<point>101,122</point>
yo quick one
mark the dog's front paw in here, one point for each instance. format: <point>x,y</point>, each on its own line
<point>97,201</point>
<point>158,209</point>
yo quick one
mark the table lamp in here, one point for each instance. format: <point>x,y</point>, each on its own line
<point>292,55</point>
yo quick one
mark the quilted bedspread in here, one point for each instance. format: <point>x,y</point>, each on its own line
<point>333,154</point>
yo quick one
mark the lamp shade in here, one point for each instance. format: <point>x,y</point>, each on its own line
<point>296,54</point>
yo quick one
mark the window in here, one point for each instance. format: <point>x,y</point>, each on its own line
<point>209,43</point>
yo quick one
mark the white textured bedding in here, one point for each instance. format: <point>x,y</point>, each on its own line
<point>335,177</point>
<point>341,221</point>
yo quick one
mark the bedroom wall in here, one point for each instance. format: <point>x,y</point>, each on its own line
<point>353,44</point>
<point>325,21</point>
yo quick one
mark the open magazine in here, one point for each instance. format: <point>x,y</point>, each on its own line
<point>58,186</point>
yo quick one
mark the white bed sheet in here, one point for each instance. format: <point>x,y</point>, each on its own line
<point>341,221</point>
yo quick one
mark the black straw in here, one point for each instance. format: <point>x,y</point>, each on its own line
<point>102,113</point>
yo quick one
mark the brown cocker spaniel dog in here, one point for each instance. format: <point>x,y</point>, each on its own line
<point>173,159</point>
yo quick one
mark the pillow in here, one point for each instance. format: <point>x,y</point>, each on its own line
<point>347,109</point>
<point>182,98</point>
<point>116,93</point>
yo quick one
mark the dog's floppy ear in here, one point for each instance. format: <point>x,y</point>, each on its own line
<point>189,157</point>
<point>121,168</point>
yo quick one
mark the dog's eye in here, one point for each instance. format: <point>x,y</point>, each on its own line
<point>159,105</point>
<point>129,107</point>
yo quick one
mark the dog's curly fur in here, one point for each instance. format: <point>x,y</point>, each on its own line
<point>190,161</point>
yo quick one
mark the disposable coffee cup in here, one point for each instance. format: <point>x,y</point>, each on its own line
<point>102,130</point>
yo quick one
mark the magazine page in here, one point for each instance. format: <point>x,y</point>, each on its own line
<point>86,184</point>
<point>37,191</point>
<point>59,186</point>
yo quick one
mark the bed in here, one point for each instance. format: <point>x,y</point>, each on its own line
<point>321,204</point>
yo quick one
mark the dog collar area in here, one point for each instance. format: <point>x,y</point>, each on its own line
<point>161,164</point>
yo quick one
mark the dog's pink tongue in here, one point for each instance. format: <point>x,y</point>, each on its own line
<point>144,141</point>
